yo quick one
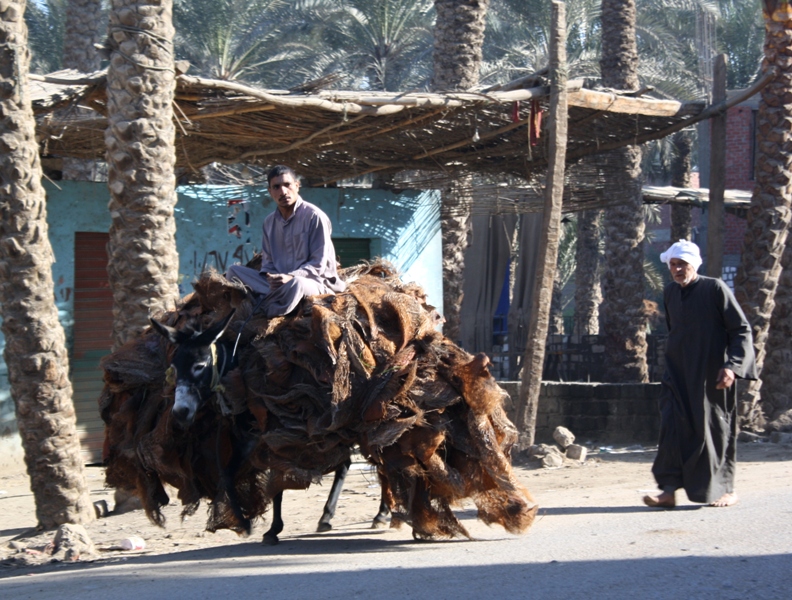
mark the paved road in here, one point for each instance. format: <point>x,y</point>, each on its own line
<point>580,547</point>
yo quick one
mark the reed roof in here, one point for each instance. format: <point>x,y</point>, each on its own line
<point>332,135</point>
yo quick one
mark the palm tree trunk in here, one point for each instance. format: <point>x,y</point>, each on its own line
<point>458,38</point>
<point>83,18</point>
<point>143,264</point>
<point>588,292</point>
<point>82,26</point>
<point>623,317</point>
<point>455,206</point>
<point>769,215</point>
<point>35,352</point>
<point>681,214</point>
<point>777,376</point>
<point>555,325</point>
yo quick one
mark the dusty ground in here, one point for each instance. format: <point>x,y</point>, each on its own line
<point>617,477</point>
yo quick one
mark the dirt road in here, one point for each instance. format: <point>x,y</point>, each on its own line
<point>593,539</point>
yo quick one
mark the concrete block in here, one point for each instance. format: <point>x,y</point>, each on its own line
<point>576,452</point>
<point>549,406</point>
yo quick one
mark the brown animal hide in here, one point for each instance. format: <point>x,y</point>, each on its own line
<point>366,367</point>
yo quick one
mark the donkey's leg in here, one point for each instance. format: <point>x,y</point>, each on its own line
<point>381,519</point>
<point>228,473</point>
<point>332,499</point>
<point>271,537</point>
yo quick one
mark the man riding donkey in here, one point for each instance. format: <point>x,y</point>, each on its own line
<point>297,255</point>
<point>709,345</point>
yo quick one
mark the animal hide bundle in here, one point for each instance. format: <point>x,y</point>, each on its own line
<point>366,367</point>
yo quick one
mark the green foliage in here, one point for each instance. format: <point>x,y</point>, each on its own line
<point>231,39</point>
<point>388,43</point>
<point>517,39</point>
<point>372,44</point>
<point>741,37</point>
<point>45,21</point>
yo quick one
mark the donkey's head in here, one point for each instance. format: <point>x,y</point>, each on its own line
<point>194,369</point>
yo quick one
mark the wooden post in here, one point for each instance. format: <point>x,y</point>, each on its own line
<point>717,178</point>
<point>533,362</point>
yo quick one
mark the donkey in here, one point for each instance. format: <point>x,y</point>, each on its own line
<point>200,360</point>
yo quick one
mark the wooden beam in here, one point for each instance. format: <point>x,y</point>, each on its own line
<point>711,111</point>
<point>717,182</point>
<point>615,103</point>
<point>533,363</point>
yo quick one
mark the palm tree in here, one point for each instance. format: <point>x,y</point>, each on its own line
<point>385,42</point>
<point>518,34</point>
<point>83,26</point>
<point>45,22</point>
<point>769,215</point>
<point>143,265</point>
<point>233,39</point>
<point>272,43</point>
<point>458,39</point>
<point>681,214</point>
<point>740,30</point>
<point>588,292</point>
<point>776,377</point>
<point>622,312</point>
<point>565,268</point>
<point>35,351</point>
<point>84,21</point>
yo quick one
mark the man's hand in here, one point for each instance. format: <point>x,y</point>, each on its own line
<point>276,280</point>
<point>725,379</point>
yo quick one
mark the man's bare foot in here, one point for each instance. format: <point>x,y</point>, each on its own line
<point>664,500</point>
<point>725,500</point>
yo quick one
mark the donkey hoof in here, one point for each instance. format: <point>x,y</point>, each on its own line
<point>322,527</point>
<point>270,540</point>
<point>379,524</point>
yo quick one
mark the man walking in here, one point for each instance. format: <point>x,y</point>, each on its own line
<point>297,255</point>
<point>709,345</point>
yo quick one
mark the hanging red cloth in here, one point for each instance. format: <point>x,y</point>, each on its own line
<point>535,123</point>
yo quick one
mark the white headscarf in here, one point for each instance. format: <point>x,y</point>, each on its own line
<point>684,250</point>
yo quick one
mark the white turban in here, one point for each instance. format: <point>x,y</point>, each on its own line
<point>684,250</point>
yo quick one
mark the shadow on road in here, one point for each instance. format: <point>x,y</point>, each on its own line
<point>612,510</point>
<point>243,571</point>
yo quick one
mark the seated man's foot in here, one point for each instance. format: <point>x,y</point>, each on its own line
<point>725,500</point>
<point>664,500</point>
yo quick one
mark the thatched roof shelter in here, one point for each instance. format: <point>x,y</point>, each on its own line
<point>330,135</point>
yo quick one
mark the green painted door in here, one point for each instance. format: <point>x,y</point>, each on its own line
<point>351,251</point>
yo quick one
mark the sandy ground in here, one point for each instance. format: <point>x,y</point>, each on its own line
<point>617,477</point>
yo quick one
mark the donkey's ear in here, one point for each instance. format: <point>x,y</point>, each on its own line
<point>169,333</point>
<point>214,332</point>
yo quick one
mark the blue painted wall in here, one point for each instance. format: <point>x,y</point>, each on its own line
<point>217,226</point>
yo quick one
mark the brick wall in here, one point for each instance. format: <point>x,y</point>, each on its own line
<point>596,413</point>
<point>739,148</point>
<point>739,170</point>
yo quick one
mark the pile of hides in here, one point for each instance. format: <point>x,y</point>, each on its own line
<point>364,368</point>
